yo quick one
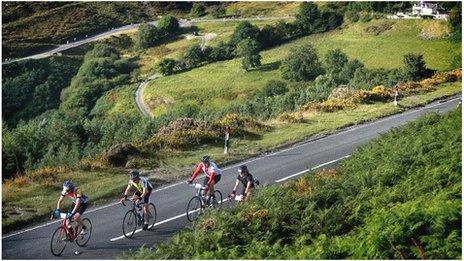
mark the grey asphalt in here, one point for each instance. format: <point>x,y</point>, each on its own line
<point>171,200</point>
<point>182,23</point>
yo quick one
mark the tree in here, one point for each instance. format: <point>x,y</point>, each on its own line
<point>302,64</point>
<point>166,66</point>
<point>307,19</point>
<point>249,50</point>
<point>218,11</point>
<point>455,22</point>
<point>194,56</point>
<point>222,52</point>
<point>335,60</point>
<point>168,24</point>
<point>269,36</point>
<point>147,36</point>
<point>242,31</point>
<point>274,87</point>
<point>414,66</point>
<point>197,10</point>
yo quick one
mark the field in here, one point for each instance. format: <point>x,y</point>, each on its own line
<point>219,84</point>
<point>398,197</point>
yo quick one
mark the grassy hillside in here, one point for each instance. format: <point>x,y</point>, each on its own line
<point>223,83</point>
<point>397,197</point>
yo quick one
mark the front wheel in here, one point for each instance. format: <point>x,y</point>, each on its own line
<point>129,224</point>
<point>59,241</point>
<point>217,199</point>
<point>151,215</point>
<point>84,236</point>
<point>194,208</point>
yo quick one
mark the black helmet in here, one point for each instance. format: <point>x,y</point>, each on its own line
<point>205,159</point>
<point>134,174</point>
<point>242,169</point>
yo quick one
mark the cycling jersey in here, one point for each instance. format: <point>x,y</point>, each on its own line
<point>211,172</point>
<point>245,179</point>
<point>74,195</point>
<point>142,183</point>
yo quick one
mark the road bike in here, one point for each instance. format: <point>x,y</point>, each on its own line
<point>134,218</point>
<point>64,234</point>
<point>197,204</point>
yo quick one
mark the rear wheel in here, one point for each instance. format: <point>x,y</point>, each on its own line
<point>59,241</point>
<point>151,215</point>
<point>194,208</point>
<point>129,224</point>
<point>84,236</point>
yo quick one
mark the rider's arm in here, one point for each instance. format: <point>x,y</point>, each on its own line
<point>127,189</point>
<point>237,182</point>
<point>248,187</point>
<point>197,171</point>
<point>78,202</point>
<point>145,191</point>
<point>59,202</point>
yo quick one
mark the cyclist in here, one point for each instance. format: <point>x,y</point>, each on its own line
<point>212,172</point>
<point>143,189</point>
<point>247,181</point>
<point>79,205</point>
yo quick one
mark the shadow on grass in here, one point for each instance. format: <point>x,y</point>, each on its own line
<point>268,67</point>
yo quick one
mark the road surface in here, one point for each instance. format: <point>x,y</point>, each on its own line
<point>171,200</point>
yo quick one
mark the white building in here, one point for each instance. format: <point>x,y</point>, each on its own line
<point>429,9</point>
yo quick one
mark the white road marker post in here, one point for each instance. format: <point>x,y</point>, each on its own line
<point>395,102</point>
<point>226,140</point>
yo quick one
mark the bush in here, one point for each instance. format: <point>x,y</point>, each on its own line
<point>244,30</point>
<point>323,86</point>
<point>302,64</point>
<point>415,66</point>
<point>274,87</point>
<point>194,56</point>
<point>352,16</point>
<point>218,11</point>
<point>331,105</point>
<point>335,60</point>
<point>222,52</point>
<point>147,36</point>
<point>378,93</point>
<point>166,66</point>
<point>197,10</point>
<point>248,49</point>
<point>168,24</point>
<point>270,36</point>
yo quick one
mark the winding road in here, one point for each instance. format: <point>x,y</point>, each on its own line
<point>171,200</point>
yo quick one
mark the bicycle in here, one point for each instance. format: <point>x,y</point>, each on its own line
<point>64,234</point>
<point>197,204</point>
<point>134,217</point>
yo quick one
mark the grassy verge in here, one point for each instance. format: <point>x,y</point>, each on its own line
<point>224,83</point>
<point>20,198</point>
<point>397,197</point>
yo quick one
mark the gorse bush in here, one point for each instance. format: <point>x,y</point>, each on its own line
<point>397,197</point>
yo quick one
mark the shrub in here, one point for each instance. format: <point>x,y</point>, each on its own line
<point>197,10</point>
<point>270,36</point>
<point>168,24</point>
<point>307,19</point>
<point>343,93</point>
<point>335,60</point>
<point>194,56</point>
<point>352,16</point>
<point>218,11</point>
<point>184,133</point>
<point>331,105</point>
<point>147,36</point>
<point>248,49</point>
<point>290,118</point>
<point>222,52</point>
<point>378,93</point>
<point>415,66</point>
<point>244,30</point>
<point>166,66</point>
<point>274,87</point>
<point>323,86</point>
<point>302,64</point>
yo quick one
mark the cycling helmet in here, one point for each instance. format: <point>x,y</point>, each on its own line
<point>134,174</point>
<point>243,168</point>
<point>68,185</point>
<point>205,159</point>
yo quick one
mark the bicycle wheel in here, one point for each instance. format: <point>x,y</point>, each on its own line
<point>151,215</point>
<point>83,239</point>
<point>217,199</point>
<point>59,241</point>
<point>129,224</point>
<point>194,208</point>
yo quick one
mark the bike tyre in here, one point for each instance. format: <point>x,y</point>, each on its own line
<point>152,211</point>
<point>217,199</point>
<point>194,208</point>
<point>129,224</point>
<point>84,242</point>
<point>59,233</point>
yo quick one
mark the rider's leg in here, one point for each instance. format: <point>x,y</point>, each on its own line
<point>80,224</point>
<point>248,195</point>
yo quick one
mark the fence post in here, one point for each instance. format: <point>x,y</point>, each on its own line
<point>395,102</point>
<point>226,142</point>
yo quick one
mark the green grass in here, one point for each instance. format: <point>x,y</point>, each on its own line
<point>399,196</point>
<point>221,83</point>
<point>118,102</point>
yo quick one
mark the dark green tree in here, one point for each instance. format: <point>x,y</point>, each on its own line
<point>415,66</point>
<point>248,49</point>
<point>197,10</point>
<point>166,66</point>
<point>242,31</point>
<point>335,60</point>
<point>168,24</point>
<point>307,19</point>
<point>302,64</point>
<point>147,36</point>
<point>194,56</point>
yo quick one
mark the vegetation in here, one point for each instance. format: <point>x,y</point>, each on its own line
<point>248,49</point>
<point>302,64</point>
<point>32,87</point>
<point>371,207</point>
